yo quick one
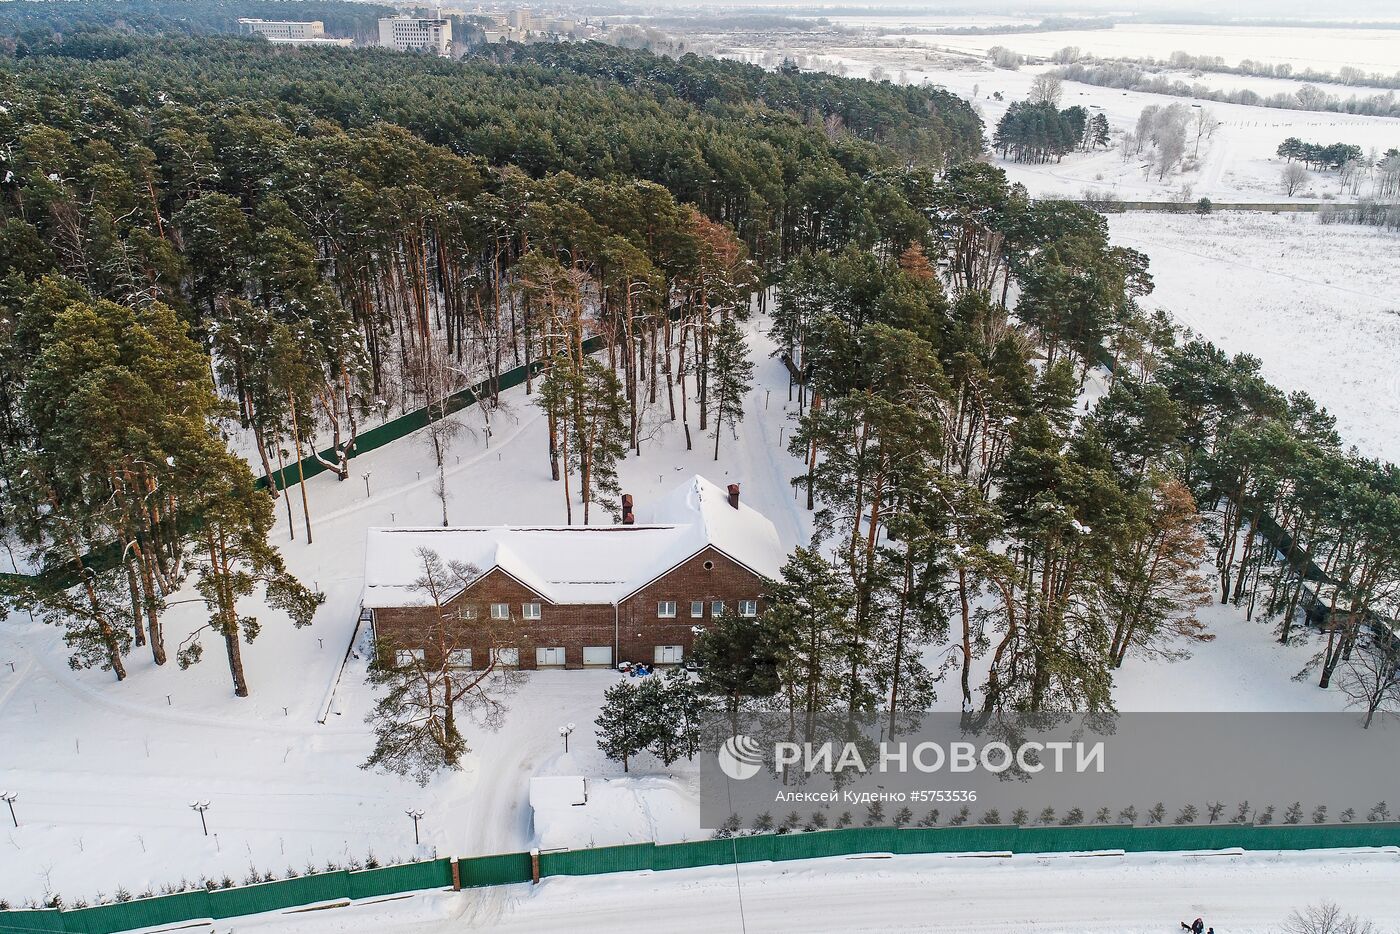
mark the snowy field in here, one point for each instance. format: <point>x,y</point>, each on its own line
<point>105,771</point>
<point>1318,304</point>
<point>1320,49</point>
<point>1238,162</point>
<point>1138,894</point>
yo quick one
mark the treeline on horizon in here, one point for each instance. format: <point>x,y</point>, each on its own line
<point>27,22</point>
<point>1112,74</point>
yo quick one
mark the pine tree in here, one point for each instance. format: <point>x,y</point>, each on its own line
<point>738,658</point>
<point>685,709</point>
<point>811,610</point>
<point>1098,131</point>
<point>622,728</point>
<point>233,557</point>
<point>732,373</point>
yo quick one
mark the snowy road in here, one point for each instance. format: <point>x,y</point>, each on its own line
<point>1037,895</point>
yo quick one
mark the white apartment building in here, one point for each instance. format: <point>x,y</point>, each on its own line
<point>312,32</point>
<point>413,34</point>
<point>285,30</point>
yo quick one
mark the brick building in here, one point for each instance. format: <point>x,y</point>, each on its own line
<point>579,596</point>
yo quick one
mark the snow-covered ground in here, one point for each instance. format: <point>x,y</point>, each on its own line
<point>1136,894</point>
<point>1318,304</point>
<point>105,772</point>
<point>1237,162</point>
<point>1319,49</point>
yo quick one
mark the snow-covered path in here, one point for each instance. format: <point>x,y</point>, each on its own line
<point>1139,894</point>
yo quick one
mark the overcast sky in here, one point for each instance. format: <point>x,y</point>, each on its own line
<point>1303,9</point>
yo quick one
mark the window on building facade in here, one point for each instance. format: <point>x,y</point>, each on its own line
<point>717,608</point>
<point>748,607</point>
<point>466,612</point>
<point>405,657</point>
<point>459,658</point>
<point>697,609</point>
<point>500,611</point>
<point>529,611</point>
<point>666,609</point>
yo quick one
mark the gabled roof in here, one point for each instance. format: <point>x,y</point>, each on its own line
<point>581,564</point>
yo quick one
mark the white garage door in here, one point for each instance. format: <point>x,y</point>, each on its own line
<point>549,655</point>
<point>597,655</point>
<point>508,658</point>
<point>669,654</point>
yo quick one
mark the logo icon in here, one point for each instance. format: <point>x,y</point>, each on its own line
<point>739,757</point>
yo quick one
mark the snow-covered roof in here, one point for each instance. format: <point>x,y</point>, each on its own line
<point>558,791</point>
<point>581,564</point>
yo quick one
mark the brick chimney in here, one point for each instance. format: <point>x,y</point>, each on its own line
<point>627,517</point>
<point>734,495</point>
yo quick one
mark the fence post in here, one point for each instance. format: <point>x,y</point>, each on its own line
<point>456,874</point>
<point>535,867</point>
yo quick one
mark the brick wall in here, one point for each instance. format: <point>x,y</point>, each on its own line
<point>638,628</point>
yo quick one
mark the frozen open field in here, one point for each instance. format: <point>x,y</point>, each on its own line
<point>1321,49</point>
<point>1319,305</point>
<point>1238,161</point>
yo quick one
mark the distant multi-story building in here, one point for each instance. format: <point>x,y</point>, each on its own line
<point>310,32</point>
<point>415,34</point>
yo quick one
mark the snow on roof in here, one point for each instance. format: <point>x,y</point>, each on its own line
<point>556,791</point>
<point>580,564</point>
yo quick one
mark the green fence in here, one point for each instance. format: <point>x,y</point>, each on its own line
<point>513,868</point>
<point>241,900</point>
<point>60,572</point>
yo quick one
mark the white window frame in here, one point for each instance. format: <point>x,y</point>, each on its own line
<point>496,656</point>
<point>466,612</point>
<point>529,611</point>
<point>500,611</point>
<point>748,608</point>
<point>659,653</point>
<point>405,657</point>
<point>697,609</point>
<point>666,609</point>
<point>716,608</point>
<point>459,658</point>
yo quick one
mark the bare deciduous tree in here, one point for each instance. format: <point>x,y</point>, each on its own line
<point>1371,678</point>
<point>431,682</point>
<point>1046,89</point>
<point>1294,176</point>
<point>1326,918</point>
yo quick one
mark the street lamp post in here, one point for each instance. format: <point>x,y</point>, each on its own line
<point>9,798</point>
<point>564,731</point>
<point>416,815</point>
<point>201,807</point>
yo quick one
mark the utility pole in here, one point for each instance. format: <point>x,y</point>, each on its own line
<point>416,815</point>
<point>9,798</point>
